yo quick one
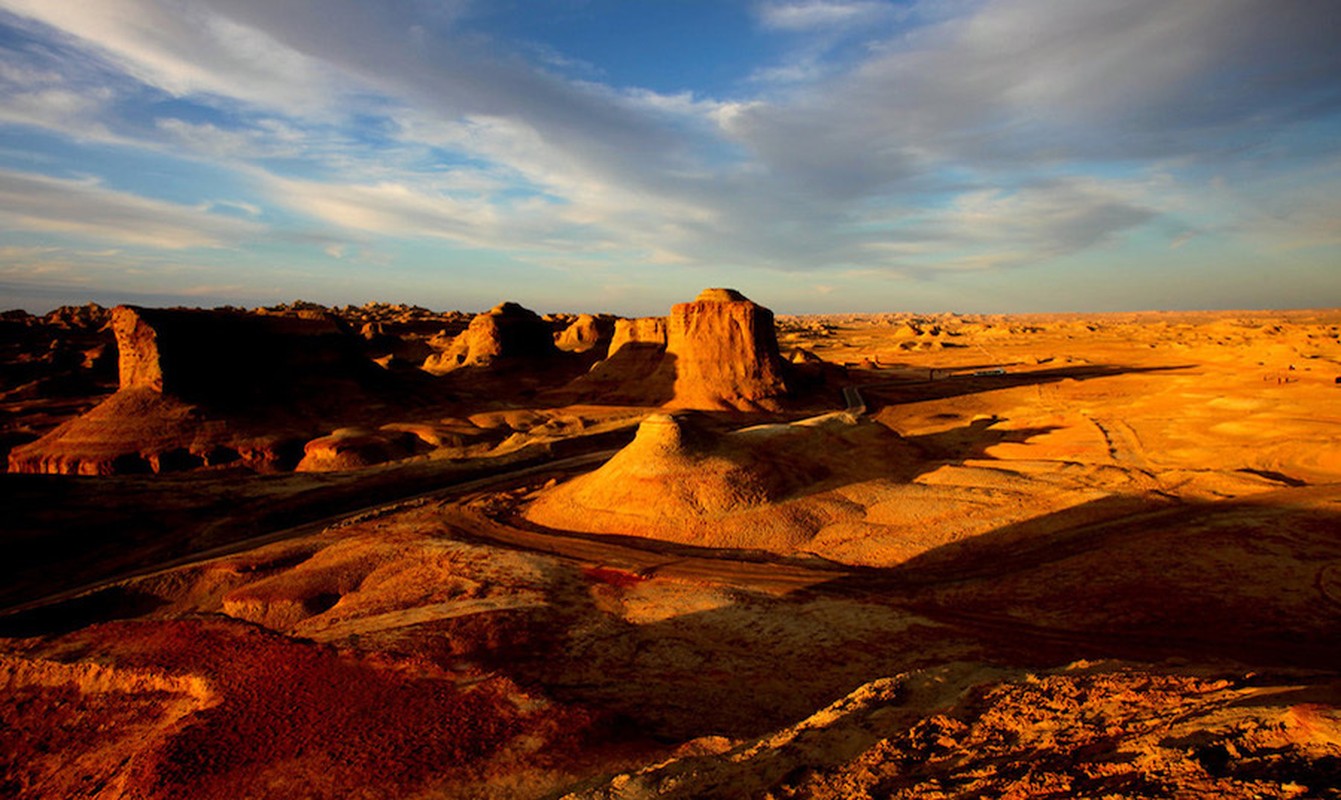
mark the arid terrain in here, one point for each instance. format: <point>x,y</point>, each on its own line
<point>383,552</point>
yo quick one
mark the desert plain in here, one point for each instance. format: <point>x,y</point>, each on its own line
<point>382,552</point>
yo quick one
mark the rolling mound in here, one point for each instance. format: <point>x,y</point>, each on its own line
<point>747,488</point>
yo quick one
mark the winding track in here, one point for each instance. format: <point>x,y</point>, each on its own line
<point>760,571</point>
<point>458,489</point>
<point>851,394</point>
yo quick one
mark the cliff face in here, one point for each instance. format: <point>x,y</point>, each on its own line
<point>724,351</point>
<point>138,358</point>
<point>200,388</point>
<point>643,331</point>
<point>506,331</point>
<point>719,352</point>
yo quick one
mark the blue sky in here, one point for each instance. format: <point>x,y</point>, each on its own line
<point>819,155</point>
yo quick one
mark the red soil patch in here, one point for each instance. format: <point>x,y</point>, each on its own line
<point>293,712</point>
<point>617,578</point>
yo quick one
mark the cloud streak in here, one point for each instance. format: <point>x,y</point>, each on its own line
<point>85,209</point>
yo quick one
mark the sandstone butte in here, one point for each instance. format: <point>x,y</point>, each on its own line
<point>724,350</point>
<point>717,353</point>
<point>506,331</point>
<point>649,331</point>
<point>200,388</point>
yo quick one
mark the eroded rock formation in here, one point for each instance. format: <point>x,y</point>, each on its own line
<point>199,388</point>
<point>587,332</point>
<point>649,331</point>
<point>355,448</point>
<point>504,332</point>
<point>679,480</point>
<point>719,352</point>
<point>724,351</point>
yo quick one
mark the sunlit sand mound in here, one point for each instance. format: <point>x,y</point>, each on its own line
<point>507,331</point>
<point>369,587</point>
<point>689,471</point>
<point>355,448</point>
<point>678,482</point>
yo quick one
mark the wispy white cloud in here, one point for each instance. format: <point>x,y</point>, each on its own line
<point>806,15</point>
<point>86,209</point>
<point>388,208</point>
<point>186,48</point>
<point>269,139</point>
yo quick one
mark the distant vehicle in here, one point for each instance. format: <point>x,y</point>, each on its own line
<point>982,373</point>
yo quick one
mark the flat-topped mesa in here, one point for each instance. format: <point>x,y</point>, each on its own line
<point>723,349</point>
<point>223,357</point>
<point>506,331</point>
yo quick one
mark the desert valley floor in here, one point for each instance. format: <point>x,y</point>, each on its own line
<point>712,555</point>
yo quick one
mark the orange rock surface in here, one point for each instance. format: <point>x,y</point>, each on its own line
<point>507,331</point>
<point>723,351</point>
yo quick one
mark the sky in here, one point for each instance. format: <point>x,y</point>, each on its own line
<point>597,155</point>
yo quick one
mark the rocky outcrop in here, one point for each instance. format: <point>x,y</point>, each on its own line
<point>718,353</point>
<point>507,331</point>
<point>587,332</point>
<point>201,388</point>
<point>355,448</point>
<point>139,359</point>
<point>647,331</point>
<point>724,351</point>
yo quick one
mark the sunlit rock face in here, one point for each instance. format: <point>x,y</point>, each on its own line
<point>586,333</point>
<point>717,353</point>
<point>724,351</point>
<point>506,331</point>
<point>649,331</point>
